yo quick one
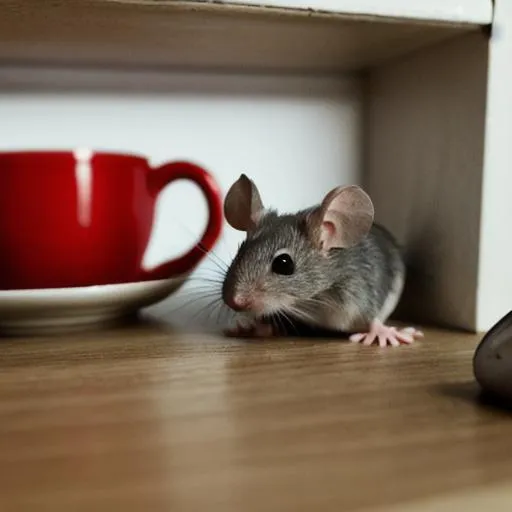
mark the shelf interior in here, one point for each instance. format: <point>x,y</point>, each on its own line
<point>156,34</point>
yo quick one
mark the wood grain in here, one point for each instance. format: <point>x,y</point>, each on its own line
<point>146,418</point>
<point>207,35</point>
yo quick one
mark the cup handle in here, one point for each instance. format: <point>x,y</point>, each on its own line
<point>164,175</point>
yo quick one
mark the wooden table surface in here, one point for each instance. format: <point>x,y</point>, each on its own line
<point>146,419</point>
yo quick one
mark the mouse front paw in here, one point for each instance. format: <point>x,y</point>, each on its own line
<point>385,335</point>
<point>251,329</point>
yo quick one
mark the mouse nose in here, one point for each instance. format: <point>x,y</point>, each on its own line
<point>239,303</point>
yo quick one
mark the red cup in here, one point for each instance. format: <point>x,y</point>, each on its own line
<point>81,218</point>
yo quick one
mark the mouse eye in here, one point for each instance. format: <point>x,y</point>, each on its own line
<point>283,264</point>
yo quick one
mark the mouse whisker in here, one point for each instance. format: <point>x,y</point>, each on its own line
<point>214,311</point>
<point>200,292</point>
<point>214,279</point>
<point>292,323</point>
<point>202,282</point>
<point>211,253</point>
<point>200,289</point>
<point>273,318</point>
<point>218,311</point>
<point>190,301</point>
<point>227,249</point>
<point>205,280</point>
<point>283,322</point>
<point>214,257</point>
<point>277,321</point>
<point>328,303</point>
<point>322,302</point>
<point>206,307</point>
<point>300,314</point>
<point>226,313</point>
<point>208,273</point>
<point>222,267</point>
<point>211,271</point>
<point>210,277</point>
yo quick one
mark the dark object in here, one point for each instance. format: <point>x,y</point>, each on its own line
<point>492,362</point>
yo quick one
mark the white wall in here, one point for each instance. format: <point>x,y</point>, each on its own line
<point>476,11</point>
<point>495,274</point>
<point>296,136</point>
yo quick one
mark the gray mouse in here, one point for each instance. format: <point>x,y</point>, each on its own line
<point>329,266</point>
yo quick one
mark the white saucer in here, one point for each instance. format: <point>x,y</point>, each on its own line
<point>59,310</point>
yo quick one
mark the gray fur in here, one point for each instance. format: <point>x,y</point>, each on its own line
<point>344,290</point>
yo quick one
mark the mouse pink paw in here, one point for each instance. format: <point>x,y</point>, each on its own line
<point>254,330</point>
<point>385,335</point>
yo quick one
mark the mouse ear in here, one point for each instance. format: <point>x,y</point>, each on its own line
<point>242,206</point>
<point>343,219</point>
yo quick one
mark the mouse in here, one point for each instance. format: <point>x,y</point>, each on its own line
<point>330,266</point>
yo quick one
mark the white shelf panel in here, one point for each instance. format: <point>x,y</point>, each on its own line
<point>283,37</point>
<point>458,11</point>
